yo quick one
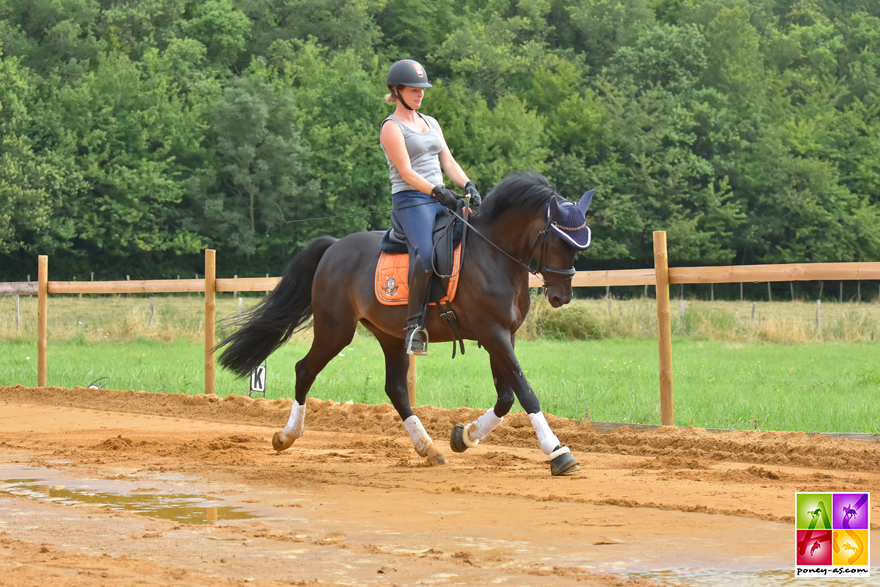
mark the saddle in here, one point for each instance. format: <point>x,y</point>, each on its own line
<point>392,270</point>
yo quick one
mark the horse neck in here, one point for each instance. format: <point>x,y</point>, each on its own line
<point>515,232</point>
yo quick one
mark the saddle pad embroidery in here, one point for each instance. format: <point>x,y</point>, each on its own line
<point>392,286</point>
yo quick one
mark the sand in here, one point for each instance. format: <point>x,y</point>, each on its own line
<point>351,503</point>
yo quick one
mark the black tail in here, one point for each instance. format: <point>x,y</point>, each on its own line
<point>283,312</point>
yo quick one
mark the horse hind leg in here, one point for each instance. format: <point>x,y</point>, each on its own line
<point>328,342</point>
<point>396,366</point>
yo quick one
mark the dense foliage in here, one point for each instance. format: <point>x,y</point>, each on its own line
<point>134,133</point>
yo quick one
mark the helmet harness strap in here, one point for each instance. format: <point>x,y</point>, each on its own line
<point>396,93</point>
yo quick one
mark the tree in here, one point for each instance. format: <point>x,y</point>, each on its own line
<point>260,164</point>
<point>23,197</point>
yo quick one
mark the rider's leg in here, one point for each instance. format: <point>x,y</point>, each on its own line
<point>417,303</point>
<point>416,213</point>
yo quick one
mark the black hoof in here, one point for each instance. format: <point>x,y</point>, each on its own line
<point>456,442</point>
<point>564,464</point>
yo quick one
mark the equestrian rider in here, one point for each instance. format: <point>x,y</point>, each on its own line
<point>416,150</point>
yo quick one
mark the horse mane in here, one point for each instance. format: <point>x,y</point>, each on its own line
<point>525,190</point>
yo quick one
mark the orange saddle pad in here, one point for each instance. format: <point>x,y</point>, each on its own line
<point>392,286</point>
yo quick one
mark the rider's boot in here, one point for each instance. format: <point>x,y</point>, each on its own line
<point>419,289</point>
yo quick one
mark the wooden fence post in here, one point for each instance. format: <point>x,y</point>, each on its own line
<point>664,334</point>
<point>17,313</point>
<point>210,311</point>
<point>411,380</point>
<point>818,315</point>
<point>42,318</point>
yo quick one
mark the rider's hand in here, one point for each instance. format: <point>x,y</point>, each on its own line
<point>471,188</point>
<point>446,197</point>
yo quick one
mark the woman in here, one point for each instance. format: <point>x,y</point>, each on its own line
<point>416,151</point>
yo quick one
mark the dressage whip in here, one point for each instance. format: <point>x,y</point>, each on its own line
<point>345,215</point>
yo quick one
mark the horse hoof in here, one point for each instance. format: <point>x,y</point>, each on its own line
<point>564,464</point>
<point>281,442</point>
<point>456,442</point>
<point>435,457</point>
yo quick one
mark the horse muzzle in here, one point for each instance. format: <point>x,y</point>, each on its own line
<point>558,294</point>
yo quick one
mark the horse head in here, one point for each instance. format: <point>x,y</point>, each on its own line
<point>567,221</point>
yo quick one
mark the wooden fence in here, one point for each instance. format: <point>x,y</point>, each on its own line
<point>661,276</point>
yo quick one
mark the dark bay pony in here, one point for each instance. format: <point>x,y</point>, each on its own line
<point>332,280</point>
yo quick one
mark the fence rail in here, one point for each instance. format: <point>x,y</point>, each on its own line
<point>660,276</point>
<point>18,288</point>
<point>729,274</point>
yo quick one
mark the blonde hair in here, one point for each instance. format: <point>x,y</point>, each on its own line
<point>390,99</point>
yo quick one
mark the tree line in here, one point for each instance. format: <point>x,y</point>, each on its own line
<point>133,134</point>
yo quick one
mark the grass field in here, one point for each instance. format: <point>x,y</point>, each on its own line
<point>583,361</point>
<point>181,317</point>
<point>824,388</point>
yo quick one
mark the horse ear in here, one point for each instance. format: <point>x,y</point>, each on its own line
<point>556,212</point>
<point>586,199</point>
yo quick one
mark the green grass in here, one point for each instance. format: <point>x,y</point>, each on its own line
<point>812,387</point>
<point>117,318</point>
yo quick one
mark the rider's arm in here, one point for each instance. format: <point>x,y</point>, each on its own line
<point>450,166</point>
<point>391,138</point>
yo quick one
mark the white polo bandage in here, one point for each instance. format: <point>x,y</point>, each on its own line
<point>294,428</point>
<point>546,437</point>
<point>420,439</point>
<point>485,424</point>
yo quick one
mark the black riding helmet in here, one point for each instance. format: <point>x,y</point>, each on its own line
<point>406,73</point>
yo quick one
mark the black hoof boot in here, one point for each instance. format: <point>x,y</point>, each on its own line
<point>563,463</point>
<point>456,442</point>
<point>461,440</point>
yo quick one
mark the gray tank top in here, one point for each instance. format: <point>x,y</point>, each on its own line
<point>424,155</point>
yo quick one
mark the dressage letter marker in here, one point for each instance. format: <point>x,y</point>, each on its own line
<point>258,379</point>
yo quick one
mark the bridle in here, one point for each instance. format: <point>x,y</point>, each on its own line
<point>543,239</point>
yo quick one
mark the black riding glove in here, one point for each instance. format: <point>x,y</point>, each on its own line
<point>471,188</point>
<point>446,197</point>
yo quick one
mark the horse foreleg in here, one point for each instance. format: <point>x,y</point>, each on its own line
<point>465,436</point>
<point>507,367</point>
<point>396,366</point>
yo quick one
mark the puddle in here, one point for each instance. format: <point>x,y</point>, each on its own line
<point>775,578</point>
<point>177,507</point>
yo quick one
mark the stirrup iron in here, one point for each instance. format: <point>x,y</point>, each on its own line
<point>411,333</point>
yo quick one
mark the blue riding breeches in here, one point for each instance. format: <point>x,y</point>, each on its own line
<point>418,222</point>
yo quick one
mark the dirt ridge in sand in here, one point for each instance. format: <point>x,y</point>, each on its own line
<point>688,444</point>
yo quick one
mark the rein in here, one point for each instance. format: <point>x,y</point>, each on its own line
<point>542,268</point>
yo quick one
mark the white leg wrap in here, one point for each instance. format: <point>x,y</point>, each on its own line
<point>294,428</point>
<point>484,425</point>
<point>546,437</point>
<point>420,439</point>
